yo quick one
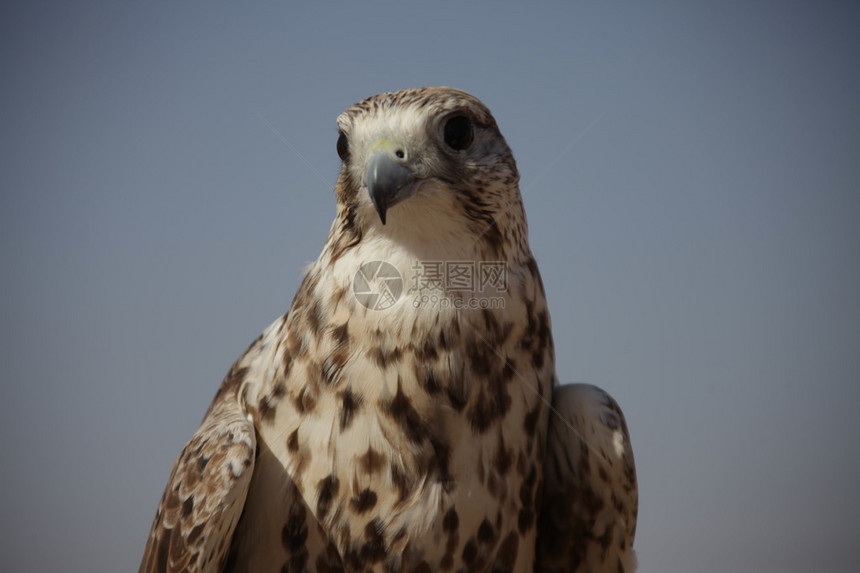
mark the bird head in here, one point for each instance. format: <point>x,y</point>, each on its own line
<point>428,156</point>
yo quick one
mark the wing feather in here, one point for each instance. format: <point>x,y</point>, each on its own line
<point>590,501</point>
<point>206,491</point>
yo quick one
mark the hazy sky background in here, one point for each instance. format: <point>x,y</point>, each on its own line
<point>691,174</point>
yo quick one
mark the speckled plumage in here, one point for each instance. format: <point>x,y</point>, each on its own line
<point>414,437</point>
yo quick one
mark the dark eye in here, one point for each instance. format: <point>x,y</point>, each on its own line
<point>459,132</point>
<point>342,146</point>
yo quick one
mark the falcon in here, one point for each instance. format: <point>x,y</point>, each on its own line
<point>404,414</point>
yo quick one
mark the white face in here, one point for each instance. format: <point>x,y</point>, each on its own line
<point>428,151</point>
<point>403,128</point>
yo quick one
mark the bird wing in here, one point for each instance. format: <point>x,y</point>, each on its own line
<point>206,491</point>
<point>588,518</point>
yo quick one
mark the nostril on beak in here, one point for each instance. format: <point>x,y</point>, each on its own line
<point>400,154</point>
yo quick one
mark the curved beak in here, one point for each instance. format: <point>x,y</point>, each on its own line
<point>388,182</point>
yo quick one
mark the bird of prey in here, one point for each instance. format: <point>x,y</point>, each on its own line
<point>404,415</point>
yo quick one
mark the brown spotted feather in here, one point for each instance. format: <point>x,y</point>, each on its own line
<point>588,516</point>
<point>206,490</point>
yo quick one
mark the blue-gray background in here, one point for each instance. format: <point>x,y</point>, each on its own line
<point>691,172</point>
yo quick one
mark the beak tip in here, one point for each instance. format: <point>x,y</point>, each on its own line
<point>380,207</point>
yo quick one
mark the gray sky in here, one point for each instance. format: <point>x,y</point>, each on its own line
<point>691,173</point>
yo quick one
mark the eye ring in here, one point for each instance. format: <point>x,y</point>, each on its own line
<point>458,132</point>
<point>342,146</point>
